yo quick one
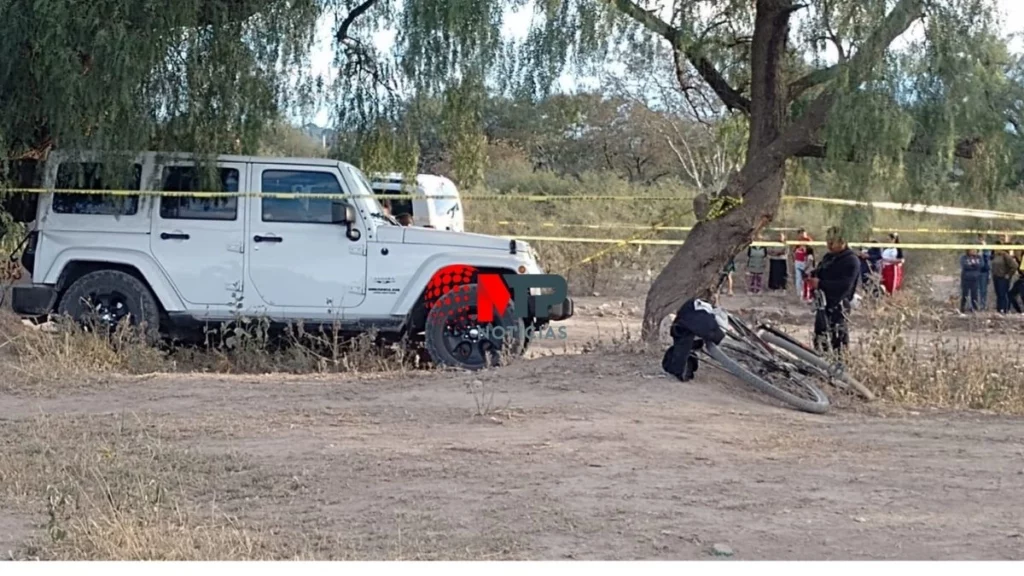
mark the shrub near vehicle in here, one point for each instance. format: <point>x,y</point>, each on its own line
<point>300,251</point>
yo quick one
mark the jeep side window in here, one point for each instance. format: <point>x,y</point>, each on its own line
<point>188,179</point>
<point>91,176</point>
<point>301,210</point>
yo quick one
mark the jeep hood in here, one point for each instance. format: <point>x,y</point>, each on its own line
<point>430,236</point>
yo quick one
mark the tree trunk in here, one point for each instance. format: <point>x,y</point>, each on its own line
<point>709,246</point>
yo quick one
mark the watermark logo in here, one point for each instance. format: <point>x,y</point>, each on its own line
<point>451,288</point>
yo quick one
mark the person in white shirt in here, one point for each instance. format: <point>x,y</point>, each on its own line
<point>892,265</point>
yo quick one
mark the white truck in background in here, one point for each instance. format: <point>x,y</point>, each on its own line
<point>435,203</point>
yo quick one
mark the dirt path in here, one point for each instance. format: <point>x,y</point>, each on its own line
<point>591,457</point>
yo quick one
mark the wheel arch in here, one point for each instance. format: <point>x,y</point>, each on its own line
<point>416,318</point>
<point>71,265</point>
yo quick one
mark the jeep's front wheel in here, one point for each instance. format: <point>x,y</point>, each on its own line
<point>455,337</point>
<point>109,297</point>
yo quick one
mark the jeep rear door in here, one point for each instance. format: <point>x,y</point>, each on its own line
<point>299,262</point>
<point>198,240</point>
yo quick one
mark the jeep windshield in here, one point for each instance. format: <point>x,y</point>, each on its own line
<point>377,210</point>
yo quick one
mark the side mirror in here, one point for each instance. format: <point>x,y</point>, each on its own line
<point>342,213</point>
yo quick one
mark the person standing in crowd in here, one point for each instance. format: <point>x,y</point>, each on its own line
<point>1017,289</point>
<point>757,263</point>
<point>892,265</point>
<point>778,265</point>
<point>970,269</point>
<point>1004,266</point>
<point>808,294</point>
<point>865,269</point>
<point>836,277</point>
<point>800,254</point>
<point>728,271</point>
<point>985,273</point>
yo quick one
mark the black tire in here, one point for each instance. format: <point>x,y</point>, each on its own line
<point>818,405</point>
<point>121,292</point>
<point>782,340</point>
<point>453,317</point>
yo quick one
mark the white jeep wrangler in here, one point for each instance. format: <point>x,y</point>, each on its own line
<point>177,261</point>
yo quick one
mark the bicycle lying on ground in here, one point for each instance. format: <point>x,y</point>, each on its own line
<point>747,356</point>
<point>777,364</point>
<point>832,372</point>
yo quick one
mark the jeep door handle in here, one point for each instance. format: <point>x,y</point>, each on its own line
<point>259,238</point>
<point>175,236</point>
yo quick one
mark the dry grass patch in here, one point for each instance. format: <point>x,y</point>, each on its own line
<point>64,353</point>
<point>112,488</point>
<point>904,362</point>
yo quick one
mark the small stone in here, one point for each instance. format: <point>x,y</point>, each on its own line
<point>596,294</point>
<point>721,550</point>
<point>860,519</point>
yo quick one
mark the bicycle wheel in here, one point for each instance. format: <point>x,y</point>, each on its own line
<point>768,376</point>
<point>835,372</point>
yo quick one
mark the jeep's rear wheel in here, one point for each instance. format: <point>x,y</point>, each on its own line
<point>455,337</point>
<point>106,298</point>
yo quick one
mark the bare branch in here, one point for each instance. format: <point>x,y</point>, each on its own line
<point>732,99</point>
<point>362,58</point>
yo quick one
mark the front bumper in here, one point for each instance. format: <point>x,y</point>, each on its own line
<point>35,300</point>
<point>555,313</point>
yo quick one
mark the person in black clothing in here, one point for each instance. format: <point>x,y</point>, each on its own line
<point>694,324</point>
<point>836,277</point>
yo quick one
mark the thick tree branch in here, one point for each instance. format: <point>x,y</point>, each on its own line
<point>342,35</point>
<point>800,136</point>
<point>895,23</point>
<point>733,99</point>
<point>867,56</point>
<point>816,78</point>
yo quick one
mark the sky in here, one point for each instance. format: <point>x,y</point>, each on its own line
<point>516,22</point>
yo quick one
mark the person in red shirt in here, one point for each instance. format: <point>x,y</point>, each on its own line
<point>801,255</point>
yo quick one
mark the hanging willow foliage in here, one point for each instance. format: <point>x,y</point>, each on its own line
<point>213,75</point>
<point>898,130</point>
<point>197,75</point>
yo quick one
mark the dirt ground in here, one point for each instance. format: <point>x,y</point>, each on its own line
<point>565,456</point>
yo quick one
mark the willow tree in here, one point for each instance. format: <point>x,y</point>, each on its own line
<point>815,79</point>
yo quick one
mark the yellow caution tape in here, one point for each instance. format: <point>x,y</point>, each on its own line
<point>920,208</point>
<point>292,195</point>
<point>647,242</point>
<point>620,244</point>
<point>626,226</point>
